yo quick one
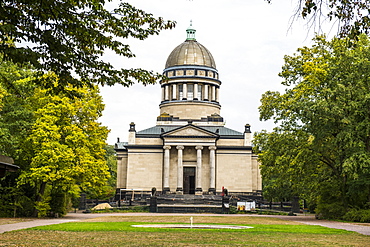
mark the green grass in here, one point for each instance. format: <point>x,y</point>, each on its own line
<point>127,226</point>
<point>117,231</point>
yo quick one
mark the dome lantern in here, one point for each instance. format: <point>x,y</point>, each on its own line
<point>190,32</point>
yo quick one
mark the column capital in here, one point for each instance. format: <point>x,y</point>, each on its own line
<point>167,147</point>
<point>198,147</point>
<point>212,147</point>
<point>180,147</point>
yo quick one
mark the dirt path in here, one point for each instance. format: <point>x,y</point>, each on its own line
<point>309,220</point>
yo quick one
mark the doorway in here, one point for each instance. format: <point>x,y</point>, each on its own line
<point>189,180</point>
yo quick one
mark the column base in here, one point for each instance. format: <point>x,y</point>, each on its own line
<point>166,190</point>
<point>179,189</point>
<point>212,191</point>
<point>198,191</point>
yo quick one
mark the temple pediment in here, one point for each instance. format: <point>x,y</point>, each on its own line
<point>190,131</point>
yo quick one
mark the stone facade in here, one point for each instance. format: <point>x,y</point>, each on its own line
<point>189,151</point>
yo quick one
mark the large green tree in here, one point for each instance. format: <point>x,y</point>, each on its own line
<point>69,38</point>
<point>67,154</point>
<point>322,144</point>
<point>54,138</point>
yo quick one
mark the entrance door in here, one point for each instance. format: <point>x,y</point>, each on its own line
<point>189,180</point>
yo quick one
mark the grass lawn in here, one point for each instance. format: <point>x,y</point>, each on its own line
<point>117,231</point>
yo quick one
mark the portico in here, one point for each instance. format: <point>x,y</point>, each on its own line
<point>200,165</point>
<point>199,147</point>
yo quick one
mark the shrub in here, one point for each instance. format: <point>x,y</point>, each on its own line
<point>330,211</point>
<point>358,215</point>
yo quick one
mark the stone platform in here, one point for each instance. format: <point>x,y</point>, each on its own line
<point>173,203</point>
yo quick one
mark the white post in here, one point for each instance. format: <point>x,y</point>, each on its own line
<point>166,94</point>
<point>205,97</point>
<point>163,92</point>
<point>166,168</point>
<point>217,94</point>
<point>179,168</point>
<point>213,93</point>
<point>174,92</point>
<point>195,91</point>
<point>184,91</point>
<point>199,169</point>
<point>212,165</point>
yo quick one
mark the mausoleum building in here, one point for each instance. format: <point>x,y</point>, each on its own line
<point>189,150</point>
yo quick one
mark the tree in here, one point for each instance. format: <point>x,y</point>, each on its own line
<point>108,190</point>
<point>67,154</point>
<point>352,16</point>
<point>324,124</point>
<point>16,119</point>
<point>69,37</point>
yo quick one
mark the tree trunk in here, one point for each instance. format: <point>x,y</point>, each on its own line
<point>40,197</point>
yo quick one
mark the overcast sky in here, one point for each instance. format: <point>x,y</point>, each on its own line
<point>248,40</point>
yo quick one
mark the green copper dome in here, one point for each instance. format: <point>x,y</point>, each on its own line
<point>190,52</point>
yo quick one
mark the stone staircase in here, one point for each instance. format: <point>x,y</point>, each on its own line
<point>173,203</point>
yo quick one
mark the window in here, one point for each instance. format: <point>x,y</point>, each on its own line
<point>180,91</point>
<point>199,92</point>
<point>190,91</point>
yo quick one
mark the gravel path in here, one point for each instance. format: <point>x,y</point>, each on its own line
<point>309,220</point>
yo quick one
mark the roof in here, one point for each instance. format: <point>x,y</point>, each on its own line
<point>190,52</point>
<point>160,129</point>
<point>7,163</point>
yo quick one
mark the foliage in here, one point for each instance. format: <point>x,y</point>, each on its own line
<point>352,16</point>
<point>111,160</point>
<point>16,117</point>
<point>16,120</point>
<point>54,138</point>
<point>67,144</point>
<point>358,215</point>
<point>70,37</point>
<point>321,148</point>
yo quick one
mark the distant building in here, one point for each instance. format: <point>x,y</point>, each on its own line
<point>189,150</point>
<point>7,165</point>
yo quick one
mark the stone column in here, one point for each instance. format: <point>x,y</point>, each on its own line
<point>174,91</point>
<point>163,93</point>
<point>212,165</point>
<point>166,169</point>
<point>166,92</point>
<point>213,93</point>
<point>195,91</point>
<point>184,91</point>
<point>205,97</point>
<point>180,172</point>
<point>198,183</point>
<point>217,94</point>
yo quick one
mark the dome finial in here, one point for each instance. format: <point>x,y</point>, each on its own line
<point>190,32</point>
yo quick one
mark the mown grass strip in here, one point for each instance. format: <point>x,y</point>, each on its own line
<point>126,226</point>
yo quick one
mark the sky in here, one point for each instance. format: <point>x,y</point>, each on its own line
<point>248,40</point>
